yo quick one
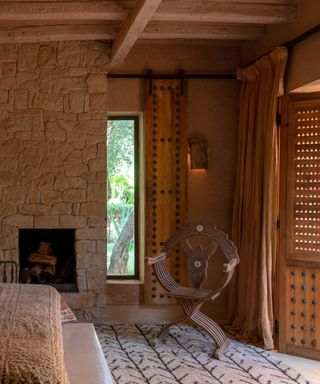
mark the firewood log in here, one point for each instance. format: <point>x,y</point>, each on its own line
<point>49,270</point>
<point>36,257</point>
<point>36,270</point>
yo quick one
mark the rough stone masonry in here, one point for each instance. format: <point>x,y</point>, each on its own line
<point>53,104</point>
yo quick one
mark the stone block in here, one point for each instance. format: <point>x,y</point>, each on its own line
<point>9,242</point>
<point>72,83</point>
<point>49,101</point>
<point>33,195</point>
<point>91,233</point>
<point>98,102</point>
<point>33,209</point>
<point>43,182</point>
<point>52,164</point>
<point>32,156</point>
<point>61,183</point>
<point>9,69</point>
<point>81,300</point>
<point>76,209</point>
<point>77,71</point>
<point>9,165</point>
<point>15,194</point>
<point>59,149</point>
<point>7,209</point>
<point>21,98</point>
<point>68,53</point>
<point>54,131</point>
<point>10,148</point>
<point>102,246</point>
<point>19,123</point>
<point>50,197</point>
<point>74,196</point>
<point>96,192</point>
<point>75,156</point>
<point>47,222</point>
<point>77,182</point>
<point>97,83</point>
<point>11,254</point>
<point>76,101</point>
<point>93,127</point>
<point>93,209</point>
<point>89,152</point>
<point>71,221</point>
<point>61,209</point>
<point>85,246</point>
<point>9,178</point>
<point>28,57</point>
<point>8,83</point>
<point>8,52</point>
<point>81,280</point>
<point>96,139</point>
<point>46,82</point>
<point>97,165</point>
<point>74,168</point>
<point>4,96</point>
<point>47,56</point>
<point>90,260</point>
<point>21,221</point>
<point>96,279</point>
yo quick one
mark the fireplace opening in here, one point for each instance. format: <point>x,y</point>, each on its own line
<point>47,256</point>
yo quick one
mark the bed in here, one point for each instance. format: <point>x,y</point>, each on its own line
<point>36,348</point>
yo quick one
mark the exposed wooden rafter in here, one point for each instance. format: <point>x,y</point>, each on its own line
<point>173,10</point>
<point>122,22</point>
<point>132,29</point>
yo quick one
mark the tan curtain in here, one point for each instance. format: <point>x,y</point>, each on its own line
<point>255,205</point>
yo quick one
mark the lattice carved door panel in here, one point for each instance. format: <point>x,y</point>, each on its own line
<point>300,267</point>
<point>166,177</point>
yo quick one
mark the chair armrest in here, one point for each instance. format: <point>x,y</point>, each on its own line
<point>156,259</point>
<point>228,267</point>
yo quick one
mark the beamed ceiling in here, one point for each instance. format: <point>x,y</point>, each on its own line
<point>124,22</point>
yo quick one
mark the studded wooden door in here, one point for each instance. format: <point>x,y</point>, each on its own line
<point>166,176</point>
<point>299,320</point>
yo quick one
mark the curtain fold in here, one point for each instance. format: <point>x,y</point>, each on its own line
<point>250,306</point>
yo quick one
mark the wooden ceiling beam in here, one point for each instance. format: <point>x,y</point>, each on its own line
<point>172,30</point>
<point>57,33</point>
<point>173,10</point>
<point>132,29</point>
<point>226,12</point>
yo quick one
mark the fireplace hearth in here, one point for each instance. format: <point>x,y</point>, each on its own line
<point>47,256</point>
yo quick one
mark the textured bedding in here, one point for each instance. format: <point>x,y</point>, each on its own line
<point>30,335</point>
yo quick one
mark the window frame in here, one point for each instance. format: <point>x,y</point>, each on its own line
<point>136,122</point>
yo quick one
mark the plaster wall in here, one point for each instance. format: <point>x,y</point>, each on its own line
<point>212,114</point>
<point>304,59</point>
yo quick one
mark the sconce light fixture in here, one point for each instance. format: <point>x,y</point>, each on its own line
<point>198,153</point>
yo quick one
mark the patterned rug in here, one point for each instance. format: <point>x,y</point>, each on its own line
<point>183,358</point>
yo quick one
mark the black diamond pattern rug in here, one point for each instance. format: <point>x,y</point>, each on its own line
<point>183,358</point>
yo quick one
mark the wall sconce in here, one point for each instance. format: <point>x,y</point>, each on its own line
<point>198,149</point>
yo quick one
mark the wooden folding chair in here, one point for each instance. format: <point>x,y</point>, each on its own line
<point>8,272</point>
<point>199,241</point>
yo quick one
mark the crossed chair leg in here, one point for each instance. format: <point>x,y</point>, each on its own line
<point>193,314</point>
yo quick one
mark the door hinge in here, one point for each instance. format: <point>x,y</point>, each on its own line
<point>278,223</point>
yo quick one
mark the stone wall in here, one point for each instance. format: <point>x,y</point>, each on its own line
<point>53,103</point>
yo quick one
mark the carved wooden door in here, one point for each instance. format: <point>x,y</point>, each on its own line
<point>166,177</point>
<point>299,283</point>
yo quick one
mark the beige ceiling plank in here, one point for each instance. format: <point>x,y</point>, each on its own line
<point>132,29</point>
<point>226,12</point>
<point>64,10</point>
<point>172,30</point>
<point>57,33</point>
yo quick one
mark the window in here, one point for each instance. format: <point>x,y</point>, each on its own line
<point>122,197</point>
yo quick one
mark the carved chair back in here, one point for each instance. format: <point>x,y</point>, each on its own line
<point>199,241</point>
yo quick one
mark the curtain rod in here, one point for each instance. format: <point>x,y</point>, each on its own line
<point>291,43</point>
<point>180,76</point>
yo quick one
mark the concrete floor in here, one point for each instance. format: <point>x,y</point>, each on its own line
<point>309,369</point>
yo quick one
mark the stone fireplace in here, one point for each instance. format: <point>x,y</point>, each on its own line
<point>47,256</point>
<point>53,103</point>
